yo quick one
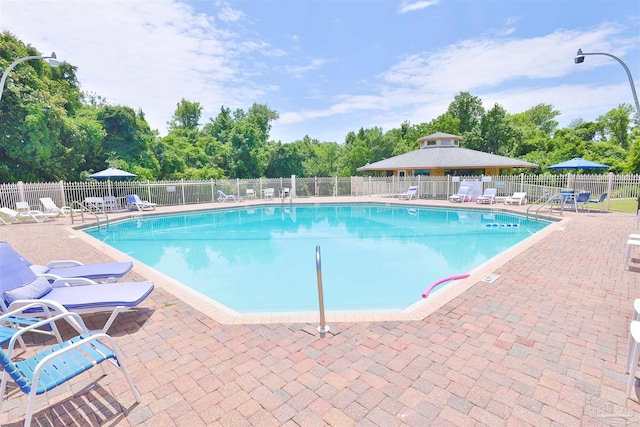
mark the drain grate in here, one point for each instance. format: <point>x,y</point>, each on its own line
<point>491,278</point>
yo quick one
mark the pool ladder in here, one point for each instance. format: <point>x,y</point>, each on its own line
<point>548,201</point>
<point>96,213</point>
<point>323,328</point>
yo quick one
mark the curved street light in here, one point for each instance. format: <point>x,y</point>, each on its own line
<point>579,59</point>
<point>52,60</point>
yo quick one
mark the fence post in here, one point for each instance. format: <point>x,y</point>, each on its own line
<point>21,191</point>
<point>62,197</point>
<point>213,191</point>
<point>182,191</point>
<point>609,188</point>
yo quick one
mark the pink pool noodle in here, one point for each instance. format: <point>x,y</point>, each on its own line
<point>446,279</point>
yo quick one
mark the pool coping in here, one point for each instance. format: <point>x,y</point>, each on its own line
<point>417,311</point>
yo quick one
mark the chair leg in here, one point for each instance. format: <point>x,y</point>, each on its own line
<point>29,414</point>
<point>627,254</point>
<point>634,329</point>
<point>636,316</point>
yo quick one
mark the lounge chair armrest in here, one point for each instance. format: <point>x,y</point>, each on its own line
<point>64,262</point>
<point>73,319</point>
<point>18,307</point>
<point>73,346</point>
<point>50,276</point>
<point>73,281</point>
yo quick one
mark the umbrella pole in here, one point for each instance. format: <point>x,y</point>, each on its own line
<point>109,185</point>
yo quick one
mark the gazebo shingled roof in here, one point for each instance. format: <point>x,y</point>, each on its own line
<point>447,158</point>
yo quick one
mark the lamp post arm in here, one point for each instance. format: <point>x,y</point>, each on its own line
<point>13,64</point>
<point>633,88</point>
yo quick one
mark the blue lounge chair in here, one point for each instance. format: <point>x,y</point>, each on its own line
<point>223,197</point>
<point>583,200</point>
<point>597,201</point>
<point>59,363</point>
<point>103,272</point>
<point>410,193</point>
<point>20,285</point>
<point>142,205</point>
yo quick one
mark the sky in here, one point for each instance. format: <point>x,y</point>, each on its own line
<point>334,66</point>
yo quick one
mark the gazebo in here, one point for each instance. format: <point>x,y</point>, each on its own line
<point>440,154</point>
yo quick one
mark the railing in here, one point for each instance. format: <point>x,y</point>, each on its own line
<point>96,212</point>
<point>171,193</point>
<point>547,200</point>
<point>323,328</point>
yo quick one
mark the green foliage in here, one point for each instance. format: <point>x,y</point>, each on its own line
<point>468,110</point>
<point>52,131</point>
<point>186,116</point>
<point>616,124</point>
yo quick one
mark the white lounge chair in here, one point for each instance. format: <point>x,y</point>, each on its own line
<point>24,213</point>
<point>51,207</point>
<point>463,194</point>
<point>488,196</point>
<point>223,197</point>
<point>410,193</point>
<point>519,198</point>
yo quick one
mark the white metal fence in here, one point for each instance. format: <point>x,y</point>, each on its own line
<point>167,193</point>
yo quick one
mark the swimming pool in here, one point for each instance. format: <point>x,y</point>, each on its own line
<point>261,259</point>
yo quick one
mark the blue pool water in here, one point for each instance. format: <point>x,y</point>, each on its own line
<point>262,259</point>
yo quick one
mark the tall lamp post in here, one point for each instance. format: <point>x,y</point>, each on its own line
<point>52,60</point>
<point>579,59</point>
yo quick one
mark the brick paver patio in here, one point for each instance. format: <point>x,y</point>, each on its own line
<point>543,345</point>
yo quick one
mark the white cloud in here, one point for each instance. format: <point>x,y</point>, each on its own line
<point>144,54</point>
<point>299,71</point>
<point>408,6</point>
<point>228,14</point>
<point>475,66</point>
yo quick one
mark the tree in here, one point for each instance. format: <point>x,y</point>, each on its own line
<point>284,160</point>
<point>36,102</point>
<point>541,117</point>
<point>220,126</point>
<point>186,116</point>
<point>126,137</point>
<point>616,124</point>
<point>247,156</point>
<point>468,110</point>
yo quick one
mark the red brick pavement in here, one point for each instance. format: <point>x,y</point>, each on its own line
<point>543,345</point>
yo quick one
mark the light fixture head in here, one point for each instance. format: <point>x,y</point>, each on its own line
<point>579,59</point>
<point>52,60</point>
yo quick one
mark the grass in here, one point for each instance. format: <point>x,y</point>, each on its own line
<point>620,205</point>
<point>623,205</point>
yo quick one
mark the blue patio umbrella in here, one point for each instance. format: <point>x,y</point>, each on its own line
<point>578,163</point>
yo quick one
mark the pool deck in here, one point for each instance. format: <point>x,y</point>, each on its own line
<point>544,344</point>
